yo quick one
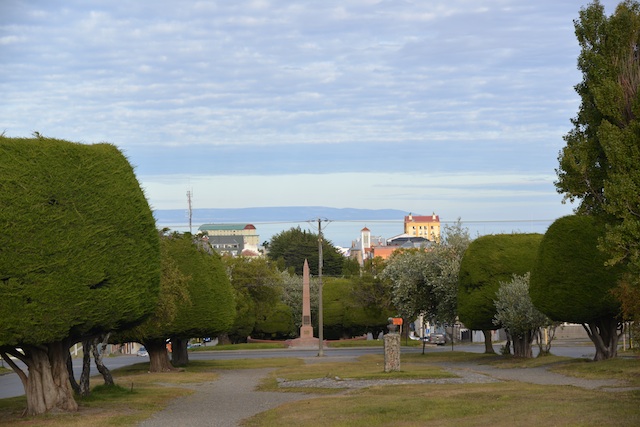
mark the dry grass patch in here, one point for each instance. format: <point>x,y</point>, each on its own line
<point>496,404</point>
<point>366,367</point>
<point>137,396</point>
<point>625,370</point>
<point>106,406</point>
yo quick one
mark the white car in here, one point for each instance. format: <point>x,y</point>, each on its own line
<point>142,352</point>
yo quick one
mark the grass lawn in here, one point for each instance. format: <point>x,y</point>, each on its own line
<point>139,394</point>
<point>510,403</point>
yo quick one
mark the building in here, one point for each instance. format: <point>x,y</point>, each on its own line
<point>427,227</point>
<point>364,247</point>
<point>232,239</point>
<point>419,232</point>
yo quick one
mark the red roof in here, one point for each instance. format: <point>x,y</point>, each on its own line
<point>419,218</point>
<point>249,227</point>
<point>365,229</point>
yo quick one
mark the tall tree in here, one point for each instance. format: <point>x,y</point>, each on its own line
<point>488,261</point>
<point>570,282</point>
<point>295,245</point>
<point>598,167</point>
<point>79,256</point>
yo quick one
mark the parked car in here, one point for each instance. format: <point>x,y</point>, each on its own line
<point>436,338</point>
<point>142,352</point>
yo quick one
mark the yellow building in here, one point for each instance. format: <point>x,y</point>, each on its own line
<point>423,226</point>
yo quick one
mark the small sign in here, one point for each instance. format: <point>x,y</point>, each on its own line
<point>397,320</point>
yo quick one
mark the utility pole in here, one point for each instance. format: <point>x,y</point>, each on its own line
<point>320,317</point>
<point>190,212</point>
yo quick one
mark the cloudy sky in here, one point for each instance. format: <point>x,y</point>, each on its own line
<point>452,106</point>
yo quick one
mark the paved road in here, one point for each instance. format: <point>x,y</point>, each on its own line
<point>10,384</point>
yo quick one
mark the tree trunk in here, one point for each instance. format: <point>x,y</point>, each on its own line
<point>223,339</point>
<point>488,344</point>
<point>47,386</point>
<point>83,386</point>
<point>604,335</point>
<point>507,346</point>
<point>158,356</point>
<point>179,353</point>
<point>522,345</point>
<point>72,379</point>
<point>544,337</point>
<point>98,348</point>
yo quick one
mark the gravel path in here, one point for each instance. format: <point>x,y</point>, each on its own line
<point>232,398</point>
<point>222,403</point>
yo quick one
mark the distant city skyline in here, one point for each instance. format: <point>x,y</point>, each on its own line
<point>450,106</point>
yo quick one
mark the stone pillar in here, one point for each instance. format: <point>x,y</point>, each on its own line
<point>392,350</point>
<point>306,330</point>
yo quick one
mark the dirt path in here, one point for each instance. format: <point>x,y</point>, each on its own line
<point>222,403</point>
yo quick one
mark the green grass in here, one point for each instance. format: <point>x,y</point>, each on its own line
<point>244,346</point>
<point>497,404</point>
<point>625,370</point>
<point>354,343</point>
<point>140,394</point>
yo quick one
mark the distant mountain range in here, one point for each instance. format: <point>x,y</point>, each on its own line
<point>273,214</point>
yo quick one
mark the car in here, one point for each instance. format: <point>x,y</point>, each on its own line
<point>436,338</point>
<point>142,352</point>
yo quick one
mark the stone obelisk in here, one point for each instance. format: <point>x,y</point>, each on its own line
<point>306,339</point>
<point>306,330</point>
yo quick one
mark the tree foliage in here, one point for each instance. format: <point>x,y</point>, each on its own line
<point>355,306</point>
<point>212,309</point>
<point>488,261</point>
<point>79,256</point>
<point>174,294</point>
<point>258,287</point>
<point>571,283</point>
<point>598,167</point>
<point>517,314</point>
<point>425,281</point>
<point>295,245</point>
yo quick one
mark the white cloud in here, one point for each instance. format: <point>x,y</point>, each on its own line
<point>265,88</point>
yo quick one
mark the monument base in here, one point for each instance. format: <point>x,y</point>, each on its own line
<point>310,342</point>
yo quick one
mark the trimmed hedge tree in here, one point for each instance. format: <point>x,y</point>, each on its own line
<point>488,261</point>
<point>213,308</point>
<point>570,282</point>
<point>79,256</point>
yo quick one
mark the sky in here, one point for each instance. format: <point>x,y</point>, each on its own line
<point>456,107</point>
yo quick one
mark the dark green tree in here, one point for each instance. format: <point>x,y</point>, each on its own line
<point>295,245</point>
<point>488,261</point>
<point>598,167</point>
<point>570,282</point>
<point>212,310</point>
<point>258,287</point>
<point>153,333</point>
<point>352,308</point>
<point>79,256</point>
